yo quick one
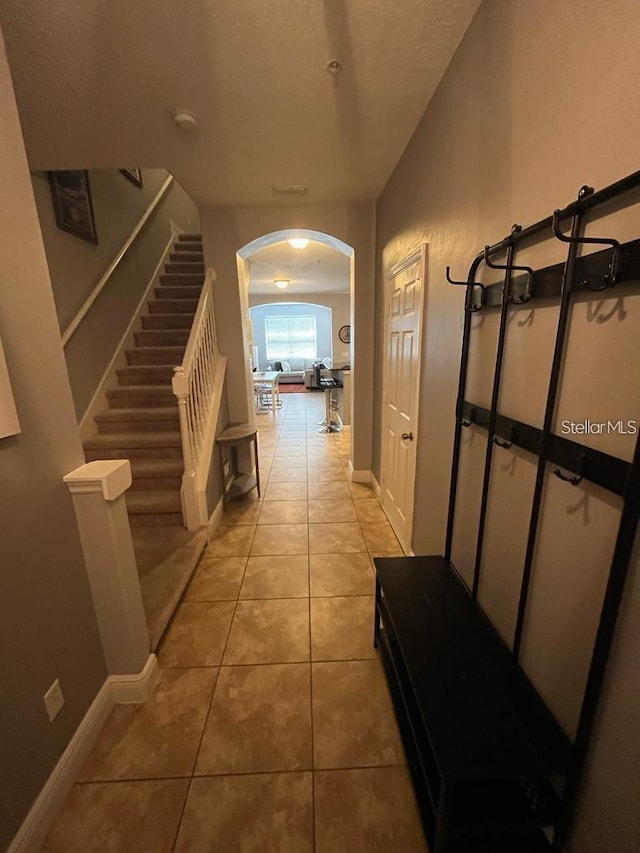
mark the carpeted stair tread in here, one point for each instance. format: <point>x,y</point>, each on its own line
<point>184,266</point>
<point>153,502</point>
<point>182,279</point>
<point>184,291</point>
<point>162,337</point>
<point>139,413</point>
<point>167,321</point>
<point>126,440</point>
<point>152,468</point>
<point>146,374</point>
<point>188,246</point>
<point>193,256</point>
<point>160,355</point>
<point>173,306</point>
<point>146,396</point>
<point>190,237</point>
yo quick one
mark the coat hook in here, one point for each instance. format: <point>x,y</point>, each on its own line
<point>472,418</point>
<point>608,279</point>
<point>469,305</point>
<point>523,297</point>
<point>451,281</point>
<point>576,478</point>
<point>500,442</point>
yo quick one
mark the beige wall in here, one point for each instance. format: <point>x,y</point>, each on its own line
<point>76,266</point>
<point>47,622</point>
<point>226,230</point>
<point>532,106</point>
<point>340,305</point>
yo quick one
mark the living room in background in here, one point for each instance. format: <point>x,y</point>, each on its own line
<point>295,334</point>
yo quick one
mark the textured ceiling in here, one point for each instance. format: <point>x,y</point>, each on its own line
<point>316,269</point>
<point>97,83</point>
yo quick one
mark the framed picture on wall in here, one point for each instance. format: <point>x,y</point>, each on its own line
<point>72,203</point>
<point>9,424</point>
<point>134,175</point>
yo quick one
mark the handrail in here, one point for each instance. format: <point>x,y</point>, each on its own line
<point>197,386</point>
<point>97,290</point>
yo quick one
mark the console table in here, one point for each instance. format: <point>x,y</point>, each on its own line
<point>236,482</point>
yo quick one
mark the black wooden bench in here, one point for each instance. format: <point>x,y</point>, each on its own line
<point>483,749</point>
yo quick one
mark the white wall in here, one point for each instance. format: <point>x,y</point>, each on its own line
<point>539,99</point>
<point>226,230</point>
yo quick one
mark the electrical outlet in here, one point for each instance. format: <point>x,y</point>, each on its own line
<point>54,700</point>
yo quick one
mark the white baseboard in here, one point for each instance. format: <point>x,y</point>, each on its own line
<point>215,519</point>
<point>358,476</point>
<point>375,485</point>
<point>135,688</point>
<point>48,804</point>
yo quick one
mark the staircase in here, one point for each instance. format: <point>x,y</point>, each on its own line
<point>141,423</point>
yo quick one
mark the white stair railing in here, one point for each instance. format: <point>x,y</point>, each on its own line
<point>197,385</point>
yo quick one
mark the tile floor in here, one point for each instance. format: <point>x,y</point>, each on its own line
<point>271,728</point>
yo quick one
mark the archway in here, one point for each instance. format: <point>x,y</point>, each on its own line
<point>243,258</point>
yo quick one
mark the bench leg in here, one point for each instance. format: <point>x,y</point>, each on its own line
<point>376,618</point>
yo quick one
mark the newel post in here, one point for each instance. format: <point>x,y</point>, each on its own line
<point>98,496</point>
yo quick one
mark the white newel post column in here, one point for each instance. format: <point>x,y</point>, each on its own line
<point>98,495</point>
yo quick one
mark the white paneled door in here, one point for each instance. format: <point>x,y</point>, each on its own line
<point>403,339</point>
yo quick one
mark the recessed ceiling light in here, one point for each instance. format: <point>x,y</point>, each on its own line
<point>281,283</point>
<point>298,242</point>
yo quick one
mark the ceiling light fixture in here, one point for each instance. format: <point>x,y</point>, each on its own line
<point>298,242</point>
<point>282,283</point>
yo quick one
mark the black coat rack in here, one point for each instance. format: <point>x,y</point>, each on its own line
<point>615,267</point>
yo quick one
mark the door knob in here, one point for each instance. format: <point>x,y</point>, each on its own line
<point>407,436</point>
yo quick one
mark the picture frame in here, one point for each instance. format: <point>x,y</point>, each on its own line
<point>71,193</point>
<point>133,175</point>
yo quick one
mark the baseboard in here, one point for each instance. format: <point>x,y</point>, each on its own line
<point>375,485</point>
<point>358,476</point>
<point>214,520</point>
<point>48,804</point>
<point>135,688</point>
<point>44,811</point>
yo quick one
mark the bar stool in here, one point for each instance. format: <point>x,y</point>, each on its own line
<point>331,402</point>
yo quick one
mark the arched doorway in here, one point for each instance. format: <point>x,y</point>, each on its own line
<point>346,355</point>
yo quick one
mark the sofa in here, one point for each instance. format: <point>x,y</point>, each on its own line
<point>292,372</point>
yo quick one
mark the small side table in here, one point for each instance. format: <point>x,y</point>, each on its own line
<point>229,442</point>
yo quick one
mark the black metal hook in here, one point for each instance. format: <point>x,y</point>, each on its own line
<point>608,279</point>
<point>576,478</point>
<point>500,442</point>
<point>524,297</point>
<point>451,281</point>
<point>472,418</point>
<point>469,304</point>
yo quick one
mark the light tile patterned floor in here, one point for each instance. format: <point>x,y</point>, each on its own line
<point>271,728</point>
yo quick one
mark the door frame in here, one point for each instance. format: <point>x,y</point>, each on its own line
<point>419,256</point>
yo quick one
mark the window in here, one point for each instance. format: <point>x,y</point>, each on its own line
<point>290,337</point>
